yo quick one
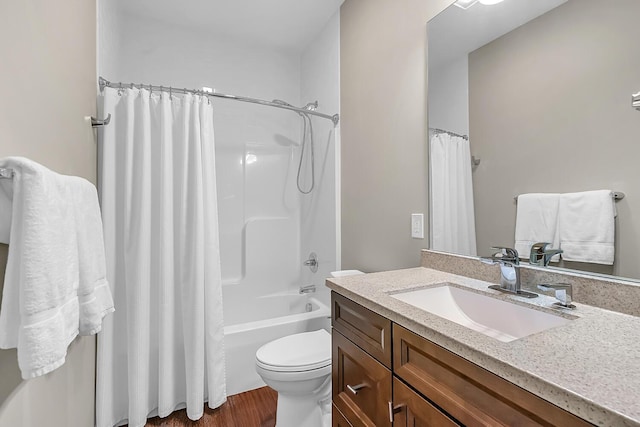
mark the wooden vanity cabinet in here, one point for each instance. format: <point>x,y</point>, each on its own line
<point>419,383</point>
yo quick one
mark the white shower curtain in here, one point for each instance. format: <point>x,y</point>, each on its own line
<point>163,347</point>
<point>453,221</point>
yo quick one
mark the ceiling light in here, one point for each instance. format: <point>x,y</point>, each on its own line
<point>489,2</point>
<point>465,4</point>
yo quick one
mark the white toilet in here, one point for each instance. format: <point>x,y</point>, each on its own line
<point>298,367</point>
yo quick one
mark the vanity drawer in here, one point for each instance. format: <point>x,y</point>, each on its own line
<point>367,329</point>
<point>469,393</point>
<point>412,410</point>
<point>361,387</point>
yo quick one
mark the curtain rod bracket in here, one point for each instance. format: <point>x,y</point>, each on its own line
<point>99,123</point>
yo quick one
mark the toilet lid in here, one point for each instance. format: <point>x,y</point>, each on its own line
<point>298,352</point>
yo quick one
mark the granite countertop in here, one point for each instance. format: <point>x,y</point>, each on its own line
<point>590,367</point>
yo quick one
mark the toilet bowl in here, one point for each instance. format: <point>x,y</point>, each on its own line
<point>298,367</point>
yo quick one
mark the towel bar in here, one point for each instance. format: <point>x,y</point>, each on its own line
<point>617,195</point>
<point>6,173</point>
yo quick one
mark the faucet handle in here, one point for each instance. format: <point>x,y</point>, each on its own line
<point>563,293</point>
<point>506,254</point>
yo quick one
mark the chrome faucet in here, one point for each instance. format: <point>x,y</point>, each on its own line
<point>307,289</point>
<point>312,262</point>
<point>541,254</point>
<point>563,293</point>
<point>509,262</point>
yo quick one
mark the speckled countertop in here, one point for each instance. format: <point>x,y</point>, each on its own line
<point>590,367</point>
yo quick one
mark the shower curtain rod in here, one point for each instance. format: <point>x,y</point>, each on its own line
<point>105,83</point>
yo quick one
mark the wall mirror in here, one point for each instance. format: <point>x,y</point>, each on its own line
<point>542,91</point>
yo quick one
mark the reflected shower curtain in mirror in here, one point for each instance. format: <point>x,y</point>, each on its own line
<point>163,348</point>
<point>452,217</point>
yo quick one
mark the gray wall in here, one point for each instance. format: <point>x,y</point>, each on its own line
<point>383,125</point>
<point>48,84</point>
<point>550,112</point>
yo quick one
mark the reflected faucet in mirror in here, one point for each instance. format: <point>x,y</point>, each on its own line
<point>509,262</point>
<point>541,254</point>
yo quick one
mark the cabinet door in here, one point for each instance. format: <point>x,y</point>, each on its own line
<point>361,384</point>
<point>411,410</point>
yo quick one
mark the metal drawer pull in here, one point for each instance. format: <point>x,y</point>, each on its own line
<point>355,388</point>
<point>394,410</point>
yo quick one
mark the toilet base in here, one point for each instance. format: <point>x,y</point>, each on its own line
<point>306,410</point>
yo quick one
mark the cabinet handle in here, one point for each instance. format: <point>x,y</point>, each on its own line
<point>354,389</point>
<point>394,410</point>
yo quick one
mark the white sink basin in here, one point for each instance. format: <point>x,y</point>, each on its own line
<point>493,317</point>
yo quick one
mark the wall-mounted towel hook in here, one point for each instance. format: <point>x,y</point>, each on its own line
<point>98,123</point>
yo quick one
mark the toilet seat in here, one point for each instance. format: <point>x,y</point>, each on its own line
<point>302,352</point>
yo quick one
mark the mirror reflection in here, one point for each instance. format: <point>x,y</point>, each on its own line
<point>529,97</point>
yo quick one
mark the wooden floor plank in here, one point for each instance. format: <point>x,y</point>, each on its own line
<point>255,408</point>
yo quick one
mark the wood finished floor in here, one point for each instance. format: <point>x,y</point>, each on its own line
<point>255,408</point>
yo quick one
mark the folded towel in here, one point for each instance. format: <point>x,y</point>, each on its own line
<point>44,285</point>
<point>536,221</point>
<point>586,223</point>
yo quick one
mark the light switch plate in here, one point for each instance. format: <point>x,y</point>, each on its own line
<point>417,226</point>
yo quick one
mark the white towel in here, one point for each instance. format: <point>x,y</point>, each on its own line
<point>94,293</point>
<point>53,236</point>
<point>536,221</point>
<point>586,223</point>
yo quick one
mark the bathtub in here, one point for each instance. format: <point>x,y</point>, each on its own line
<point>259,321</point>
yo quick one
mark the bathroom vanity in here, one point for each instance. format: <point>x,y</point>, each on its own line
<point>395,364</point>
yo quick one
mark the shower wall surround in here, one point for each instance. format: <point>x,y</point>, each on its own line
<point>267,227</point>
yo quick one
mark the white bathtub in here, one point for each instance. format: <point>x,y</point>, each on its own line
<point>264,319</point>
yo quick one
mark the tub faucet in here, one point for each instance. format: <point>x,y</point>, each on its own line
<point>307,289</point>
<point>509,262</point>
<point>541,254</point>
<point>312,262</point>
<point>563,293</point>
